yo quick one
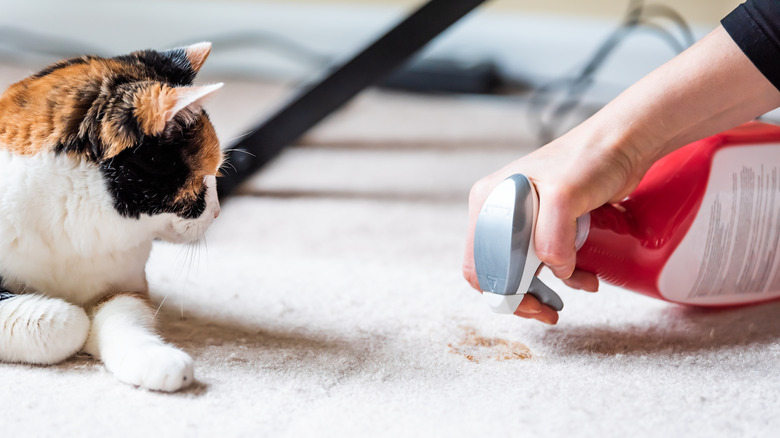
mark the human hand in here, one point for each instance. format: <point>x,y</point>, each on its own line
<point>572,175</point>
<point>710,87</point>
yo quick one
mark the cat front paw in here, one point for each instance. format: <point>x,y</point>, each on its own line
<point>40,330</point>
<point>157,367</point>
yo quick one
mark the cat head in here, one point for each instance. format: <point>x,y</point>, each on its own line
<point>138,119</point>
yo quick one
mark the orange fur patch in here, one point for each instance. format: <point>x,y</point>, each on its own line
<point>153,106</point>
<point>205,162</point>
<point>31,110</point>
<point>35,113</point>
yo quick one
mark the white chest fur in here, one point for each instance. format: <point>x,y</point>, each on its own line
<point>59,232</point>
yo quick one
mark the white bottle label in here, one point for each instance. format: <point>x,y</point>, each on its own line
<point>730,254</point>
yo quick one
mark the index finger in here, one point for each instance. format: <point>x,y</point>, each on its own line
<point>556,229</point>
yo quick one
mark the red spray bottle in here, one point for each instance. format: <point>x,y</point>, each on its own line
<point>702,228</point>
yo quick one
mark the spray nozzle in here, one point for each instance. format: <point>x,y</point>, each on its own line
<point>504,254</point>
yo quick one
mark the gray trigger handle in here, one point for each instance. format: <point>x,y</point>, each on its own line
<point>545,295</point>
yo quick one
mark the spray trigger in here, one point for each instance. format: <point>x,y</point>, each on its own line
<point>545,295</point>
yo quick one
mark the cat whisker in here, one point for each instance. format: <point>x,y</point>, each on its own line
<point>226,160</point>
<point>182,260</point>
<point>160,306</point>
<point>243,151</point>
<point>205,242</point>
<point>228,163</point>
<point>190,259</point>
<point>238,137</point>
<point>193,259</point>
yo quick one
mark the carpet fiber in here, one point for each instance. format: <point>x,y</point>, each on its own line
<point>327,300</point>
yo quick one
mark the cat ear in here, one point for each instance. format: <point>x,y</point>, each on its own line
<point>159,104</point>
<point>196,54</point>
<point>183,97</point>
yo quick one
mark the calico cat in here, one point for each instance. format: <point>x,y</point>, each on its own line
<point>98,158</point>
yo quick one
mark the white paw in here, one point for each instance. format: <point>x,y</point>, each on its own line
<point>40,330</point>
<point>157,367</point>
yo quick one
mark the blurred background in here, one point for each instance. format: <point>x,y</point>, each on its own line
<point>534,69</point>
<point>530,43</point>
<point>531,39</point>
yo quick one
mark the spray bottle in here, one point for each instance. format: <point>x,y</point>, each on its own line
<point>702,228</point>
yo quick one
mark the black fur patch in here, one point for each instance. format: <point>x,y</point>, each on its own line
<point>171,66</point>
<point>62,64</point>
<point>72,138</point>
<point>146,179</point>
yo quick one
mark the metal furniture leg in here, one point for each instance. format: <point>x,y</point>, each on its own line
<point>316,102</point>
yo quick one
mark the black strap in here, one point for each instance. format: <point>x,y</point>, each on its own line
<point>315,103</point>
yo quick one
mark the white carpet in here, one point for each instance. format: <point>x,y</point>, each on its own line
<point>328,301</point>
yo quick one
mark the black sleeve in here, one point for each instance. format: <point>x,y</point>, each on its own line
<point>755,27</point>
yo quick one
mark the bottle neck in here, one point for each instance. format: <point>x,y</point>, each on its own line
<point>606,217</point>
<point>608,226</point>
<point>609,246</point>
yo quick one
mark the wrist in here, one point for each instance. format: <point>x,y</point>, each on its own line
<point>626,145</point>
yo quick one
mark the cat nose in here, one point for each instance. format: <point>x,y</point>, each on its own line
<point>216,212</point>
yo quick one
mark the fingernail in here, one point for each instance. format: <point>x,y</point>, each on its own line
<point>548,319</point>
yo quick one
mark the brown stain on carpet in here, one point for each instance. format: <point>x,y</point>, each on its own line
<point>477,348</point>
